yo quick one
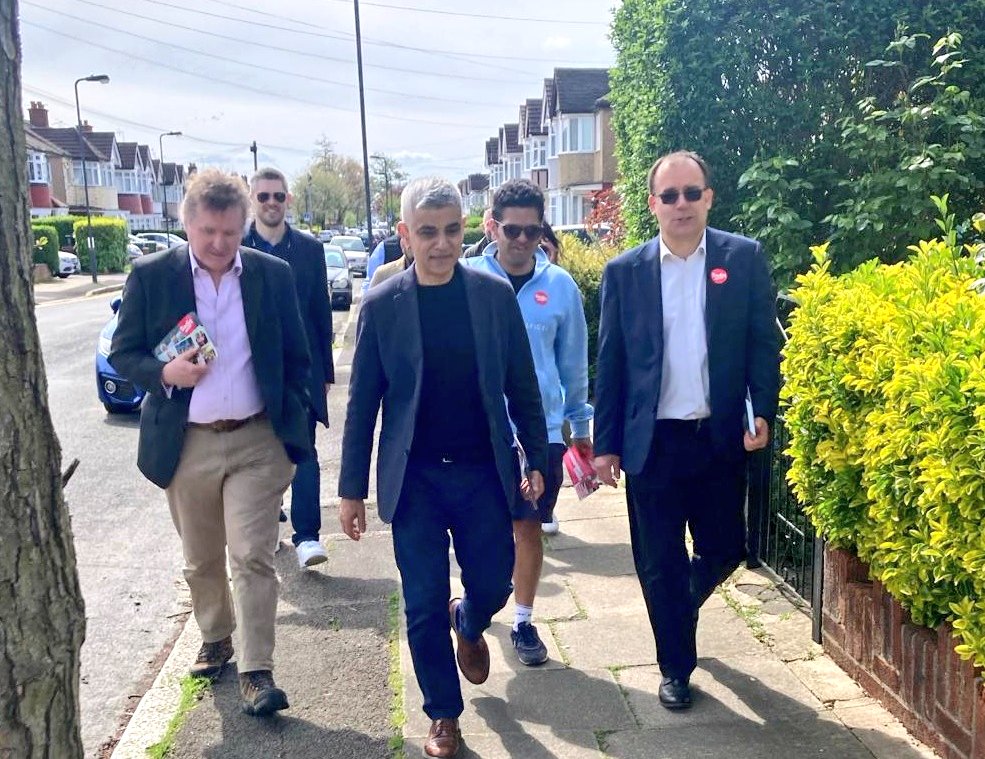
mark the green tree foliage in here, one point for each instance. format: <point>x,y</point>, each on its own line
<point>885,389</point>
<point>744,79</point>
<point>866,184</point>
<point>334,185</point>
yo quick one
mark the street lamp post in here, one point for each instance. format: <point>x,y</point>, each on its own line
<point>102,79</point>
<point>164,187</point>
<point>253,149</point>
<point>362,118</point>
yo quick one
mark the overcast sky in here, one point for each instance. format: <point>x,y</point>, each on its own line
<point>227,72</point>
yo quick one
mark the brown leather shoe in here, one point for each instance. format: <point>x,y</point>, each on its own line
<point>473,656</point>
<point>212,657</point>
<point>260,695</point>
<point>444,738</point>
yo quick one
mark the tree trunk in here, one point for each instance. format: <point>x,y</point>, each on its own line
<point>42,620</point>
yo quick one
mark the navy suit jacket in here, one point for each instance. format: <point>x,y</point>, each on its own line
<point>387,368</point>
<point>743,347</point>
<point>306,257</point>
<point>159,291</point>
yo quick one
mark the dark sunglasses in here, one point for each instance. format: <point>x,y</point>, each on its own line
<point>280,197</point>
<point>691,194</point>
<point>512,231</point>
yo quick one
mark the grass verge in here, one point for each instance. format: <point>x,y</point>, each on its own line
<point>397,714</point>
<point>192,689</point>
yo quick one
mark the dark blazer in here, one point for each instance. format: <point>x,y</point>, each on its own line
<point>158,292</point>
<point>743,347</point>
<point>307,259</point>
<point>387,367</point>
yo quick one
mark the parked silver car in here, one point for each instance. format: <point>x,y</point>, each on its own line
<point>339,277</point>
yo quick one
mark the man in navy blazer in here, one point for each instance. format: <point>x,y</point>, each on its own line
<point>687,329</point>
<point>270,233</point>
<point>439,346</point>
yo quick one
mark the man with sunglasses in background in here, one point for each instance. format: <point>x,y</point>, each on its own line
<point>551,305</point>
<point>687,329</point>
<point>270,233</point>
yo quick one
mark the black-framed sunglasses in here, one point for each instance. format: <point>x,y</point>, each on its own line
<point>691,195</point>
<point>513,231</point>
<point>280,197</point>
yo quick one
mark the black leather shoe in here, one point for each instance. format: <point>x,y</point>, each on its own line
<point>675,693</point>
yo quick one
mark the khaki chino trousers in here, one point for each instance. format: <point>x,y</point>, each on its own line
<point>226,493</point>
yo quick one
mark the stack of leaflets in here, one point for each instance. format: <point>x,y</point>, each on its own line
<point>581,472</point>
<point>189,333</point>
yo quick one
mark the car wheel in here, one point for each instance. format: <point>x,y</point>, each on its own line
<point>62,276</point>
<point>111,409</point>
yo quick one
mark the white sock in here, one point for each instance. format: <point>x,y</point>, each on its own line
<point>522,614</point>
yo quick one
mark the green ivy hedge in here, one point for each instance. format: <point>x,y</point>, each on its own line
<point>46,246</point>
<point>472,235</point>
<point>65,225</point>
<point>110,238</point>
<point>885,388</point>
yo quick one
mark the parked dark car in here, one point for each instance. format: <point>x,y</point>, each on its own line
<point>117,394</point>
<point>339,277</point>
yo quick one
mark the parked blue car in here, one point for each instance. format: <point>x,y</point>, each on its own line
<point>117,394</point>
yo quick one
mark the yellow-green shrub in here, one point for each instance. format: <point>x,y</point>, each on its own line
<point>885,386</point>
<point>585,262</point>
<point>46,246</point>
<point>110,237</point>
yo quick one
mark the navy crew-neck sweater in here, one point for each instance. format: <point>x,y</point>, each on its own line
<point>451,421</point>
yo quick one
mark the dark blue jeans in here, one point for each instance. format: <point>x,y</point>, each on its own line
<point>467,501</point>
<point>684,484</point>
<point>306,495</point>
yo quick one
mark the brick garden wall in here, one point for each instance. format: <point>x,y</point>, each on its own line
<point>912,670</point>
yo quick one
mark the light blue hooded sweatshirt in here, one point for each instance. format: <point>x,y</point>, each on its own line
<point>555,318</point>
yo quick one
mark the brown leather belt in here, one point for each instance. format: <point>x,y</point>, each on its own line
<point>228,425</point>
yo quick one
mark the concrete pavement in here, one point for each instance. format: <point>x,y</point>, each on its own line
<point>76,286</point>
<point>762,688</point>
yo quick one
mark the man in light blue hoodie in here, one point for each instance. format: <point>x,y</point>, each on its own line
<point>552,309</point>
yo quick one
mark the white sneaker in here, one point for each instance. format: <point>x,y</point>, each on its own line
<point>310,552</point>
<point>552,527</point>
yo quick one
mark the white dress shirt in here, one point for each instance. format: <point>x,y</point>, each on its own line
<point>229,389</point>
<point>684,383</point>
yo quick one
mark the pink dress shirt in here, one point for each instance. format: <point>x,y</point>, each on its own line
<point>229,389</point>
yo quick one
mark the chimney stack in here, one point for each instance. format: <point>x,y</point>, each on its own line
<point>38,114</point>
<point>87,127</point>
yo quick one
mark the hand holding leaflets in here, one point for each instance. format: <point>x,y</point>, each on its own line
<point>185,351</point>
<point>578,465</point>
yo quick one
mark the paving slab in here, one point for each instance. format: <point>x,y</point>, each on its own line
<point>881,733</point>
<point>826,680</point>
<point>599,530</point>
<point>526,742</point>
<point>618,639</point>
<point>813,736</point>
<point>738,690</point>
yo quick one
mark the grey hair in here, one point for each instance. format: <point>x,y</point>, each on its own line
<point>429,192</point>
<point>268,172</point>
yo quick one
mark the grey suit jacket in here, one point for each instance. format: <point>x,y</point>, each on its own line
<point>743,346</point>
<point>158,292</point>
<point>387,367</point>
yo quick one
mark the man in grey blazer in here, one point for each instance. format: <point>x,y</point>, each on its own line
<point>221,438</point>
<point>687,328</point>
<point>439,346</point>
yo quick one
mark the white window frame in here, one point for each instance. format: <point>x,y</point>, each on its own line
<point>38,170</point>
<point>578,134</point>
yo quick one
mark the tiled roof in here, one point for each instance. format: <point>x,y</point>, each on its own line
<point>510,135</point>
<point>478,182</point>
<point>492,151</point>
<point>549,103</point>
<point>530,114</point>
<point>38,143</point>
<point>67,138</point>
<point>578,89</point>
<point>145,158</point>
<point>103,142</point>
<point>128,154</point>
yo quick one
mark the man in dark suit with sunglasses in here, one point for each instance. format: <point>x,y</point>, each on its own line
<point>686,330</point>
<point>270,233</point>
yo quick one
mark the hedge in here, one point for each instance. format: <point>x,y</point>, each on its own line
<point>64,224</point>
<point>585,263</point>
<point>46,246</point>
<point>885,395</point>
<point>472,235</point>
<point>110,237</point>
